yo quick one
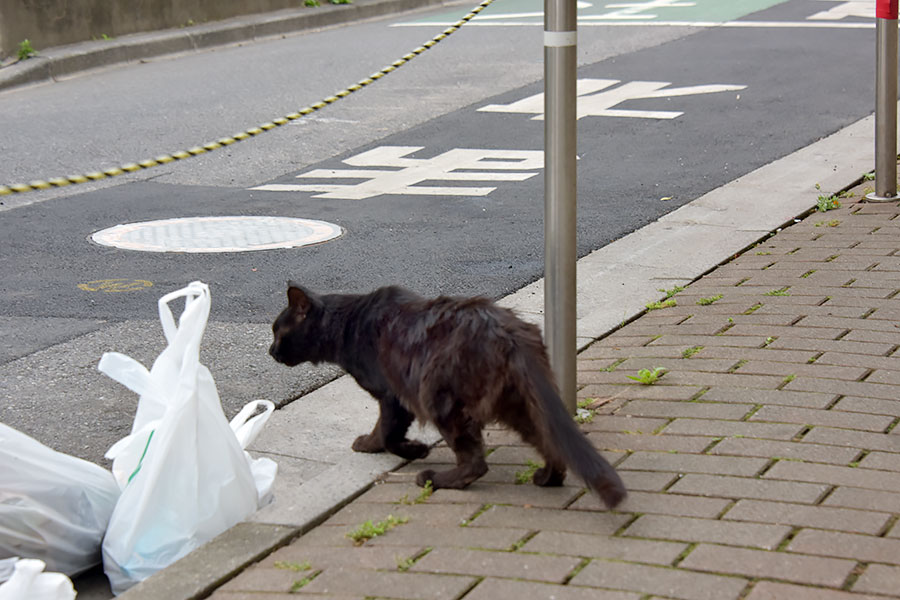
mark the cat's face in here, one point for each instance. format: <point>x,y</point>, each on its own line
<point>289,328</point>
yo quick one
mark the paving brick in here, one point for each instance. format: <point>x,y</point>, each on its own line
<point>776,397</point>
<point>662,504</point>
<point>624,423</point>
<point>879,579</point>
<point>734,316</point>
<point>885,376</point>
<point>692,463</point>
<point>322,557</point>
<point>604,350</point>
<point>853,312</point>
<point>457,537</point>
<point>689,529</point>
<point>886,461</point>
<point>414,586</point>
<point>854,439</point>
<point>801,515</point>
<point>742,487</point>
<point>483,492</point>
<point>845,388</point>
<point>764,331</point>
<point>865,548</point>
<point>767,353</point>
<point>264,580</point>
<point>761,382</point>
<point>514,565</point>
<point>781,449</point>
<point>862,335</point>
<point>661,581</point>
<point>646,481</point>
<point>601,546</point>
<point>809,416</point>
<point>847,323</point>
<point>685,328</point>
<point>811,345</point>
<point>513,455</point>
<point>876,500</point>
<point>633,390</point>
<point>664,443</point>
<point>770,590</point>
<point>702,410</point>
<point>695,363</point>
<point>776,565</point>
<point>782,431</point>
<point>599,523</point>
<point>803,370</point>
<point>434,514</point>
<point>508,589</point>
<point>868,405</point>
<point>834,475</point>
<point>729,341</point>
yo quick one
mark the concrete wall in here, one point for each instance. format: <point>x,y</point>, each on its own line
<point>48,23</point>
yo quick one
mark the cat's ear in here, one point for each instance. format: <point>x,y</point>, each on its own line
<point>298,298</point>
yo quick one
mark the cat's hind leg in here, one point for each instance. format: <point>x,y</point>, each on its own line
<point>465,439</point>
<point>553,473</point>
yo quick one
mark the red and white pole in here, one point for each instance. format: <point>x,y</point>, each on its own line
<point>885,102</point>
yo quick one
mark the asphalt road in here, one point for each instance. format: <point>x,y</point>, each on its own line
<point>784,87</point>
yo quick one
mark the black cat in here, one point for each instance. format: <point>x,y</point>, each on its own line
<point>456,362</point>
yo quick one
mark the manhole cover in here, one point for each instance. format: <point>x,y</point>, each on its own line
<point>217,234</point>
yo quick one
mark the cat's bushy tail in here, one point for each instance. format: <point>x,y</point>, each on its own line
<point>569,443</point>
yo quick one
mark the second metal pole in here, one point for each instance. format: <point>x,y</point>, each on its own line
<point>560,45</point>
<point>885,106</point>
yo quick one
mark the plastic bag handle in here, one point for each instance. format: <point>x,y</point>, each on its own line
<point>192,293</point>
<point>129,373</point>
<point>247,427</point>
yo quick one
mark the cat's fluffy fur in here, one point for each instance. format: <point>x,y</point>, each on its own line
<point>458,363</point>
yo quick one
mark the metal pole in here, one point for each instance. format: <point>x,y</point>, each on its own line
<point>885,103</point>
<point>560,45</point>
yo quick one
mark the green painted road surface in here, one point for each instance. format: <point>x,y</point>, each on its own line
<point>634,11</point>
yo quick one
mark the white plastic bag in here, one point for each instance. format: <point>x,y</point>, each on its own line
<point>27,582</point>
<point>184,475</point>
<point>53,507</point>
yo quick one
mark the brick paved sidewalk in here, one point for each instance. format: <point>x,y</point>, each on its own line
<point>764,464</point>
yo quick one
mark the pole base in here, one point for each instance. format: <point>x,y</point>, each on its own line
<point>873,197</point>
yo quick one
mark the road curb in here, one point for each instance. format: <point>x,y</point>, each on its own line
<point>62,61</point>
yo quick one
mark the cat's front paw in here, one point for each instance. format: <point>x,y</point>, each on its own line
<point>411,450</point>
<point>367,443</point>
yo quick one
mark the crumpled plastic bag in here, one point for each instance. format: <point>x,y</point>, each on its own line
<point>53,507</point>
<point>25,580</point>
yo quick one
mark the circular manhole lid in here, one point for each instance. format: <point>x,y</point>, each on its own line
<point>217,234</point>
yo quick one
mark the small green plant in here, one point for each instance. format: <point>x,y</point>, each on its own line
<point>789,379</point>
<point>779,292</point>
<point>709,300</point>
<point>672,292</point>
<point>768,342</point>
<point>26,50</point>
<point>368,530</point>
<point>667,303</point>
<point>311,3</point>
<point>647,376</point>
<point>808,273</point>
<point>826,203</point>
<point>341,1</point>
<point>403,564</point>
<point>303,582</point>
<point>689,352</point>
<point>763,253</point>
<point>870,176</point>
<point>424,495</point>
<point>525,475</point>
<point>293,566</point>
